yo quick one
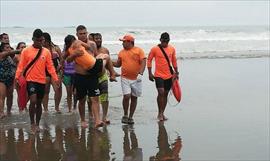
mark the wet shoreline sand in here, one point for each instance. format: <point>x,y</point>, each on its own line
<point>224,115</point>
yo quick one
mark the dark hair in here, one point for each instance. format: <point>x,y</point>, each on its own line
<point>47,37</point>
<point>19,44</point>
<point>3,44</point>
<point>68,41</point>
<point>2,35</point>
<point>165,36</point>
<point>37,33</point>
<point>80,27</point>
<point>97,34</point>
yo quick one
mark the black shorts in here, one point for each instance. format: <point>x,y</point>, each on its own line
<point>161,83</point>
<point>86,85</point>
<point>97,68</point>
<point>36,88</point>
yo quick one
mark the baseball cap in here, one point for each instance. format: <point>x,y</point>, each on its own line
<point>127,38</point>
<point>165,36</point>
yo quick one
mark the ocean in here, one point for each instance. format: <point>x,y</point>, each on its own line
<point>190,42</point>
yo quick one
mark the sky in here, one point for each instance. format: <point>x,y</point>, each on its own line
<point>133,13</point>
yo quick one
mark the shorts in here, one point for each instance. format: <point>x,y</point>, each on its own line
<point>68,79</point>
<point>86,85</point>
<point>103,87</point>
<point>161,83</point>
<point>132,87</point>
<point>36,88</point>
<point>8,81</point>
<point>97,68</point>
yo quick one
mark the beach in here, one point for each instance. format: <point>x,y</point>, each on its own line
<point>223,115</point>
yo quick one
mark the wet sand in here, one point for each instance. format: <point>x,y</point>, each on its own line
<point>224,115</point>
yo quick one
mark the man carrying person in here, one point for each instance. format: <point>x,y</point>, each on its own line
<point>132,61</point>
<point>36,75</point>
<point>162,76</point>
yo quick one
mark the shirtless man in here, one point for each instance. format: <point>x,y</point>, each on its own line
<point>103,79</point>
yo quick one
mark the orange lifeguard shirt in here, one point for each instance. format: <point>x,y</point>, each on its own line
<point>162,69</point>
<point>131,62</point>
<point>87,61</point>
<point>36,73</point>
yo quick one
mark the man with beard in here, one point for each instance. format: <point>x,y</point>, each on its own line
<point>103,79</point>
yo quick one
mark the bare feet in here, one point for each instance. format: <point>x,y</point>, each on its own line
<point>37,128</point>
<point>2,115</point>
<point>33,129</point>
<point>160,117</point>
<point>106,121</point>
<point>99,124</point>
<point>84,124</point>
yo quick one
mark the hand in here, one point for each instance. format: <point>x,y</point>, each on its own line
<point>58,83</point>
<point>151,77</point>
<point>139,77</point>
<point>176,75</point>
<point>16,82</point>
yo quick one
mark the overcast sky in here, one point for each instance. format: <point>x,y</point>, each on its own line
<point>133,13</point>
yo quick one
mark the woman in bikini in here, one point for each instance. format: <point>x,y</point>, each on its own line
<point>56,58</point>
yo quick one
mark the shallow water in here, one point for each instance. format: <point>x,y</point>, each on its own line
<point>224,115</point>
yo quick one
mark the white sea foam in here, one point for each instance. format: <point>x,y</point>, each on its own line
<point>193,41</point>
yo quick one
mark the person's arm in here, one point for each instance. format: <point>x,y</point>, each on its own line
<point>22,64</point>
<point>5,54</point>
<point>142,62</point>
<point>149,65</point>
<point>50,67</point>
<point>174,62</point>
<point>61,59</point>
<point>117,63</point>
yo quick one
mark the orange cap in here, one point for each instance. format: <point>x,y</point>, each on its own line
<point>127,38</point>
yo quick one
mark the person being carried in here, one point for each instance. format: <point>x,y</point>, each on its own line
<point>76,49</point>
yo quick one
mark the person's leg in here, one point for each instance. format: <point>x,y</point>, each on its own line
<point>105,107</point>
<point>125,103</point>
<point>74,98</point>
<point>40,95</point>
<point>103,87</point>
<point>107,62</point>
<point>160,102</point>
<point>96,110</point>
<point>45,100</point>
<point>133,106</point>
<point>89,104</point>
<point>2,99</point>
<point>38,113</point>
<point>167,87</point>
<point>9,95</point>
<point>57,95</point>
<point>82,111</point>
<point>32,111</point>
<point>69,97</point>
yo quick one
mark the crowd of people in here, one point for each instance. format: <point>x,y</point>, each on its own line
<point>84,66</point>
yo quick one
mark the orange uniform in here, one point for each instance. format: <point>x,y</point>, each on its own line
<point>162,69</point>
<point>131,62</point>
<point>87,61</point>
<point>36,73</point>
